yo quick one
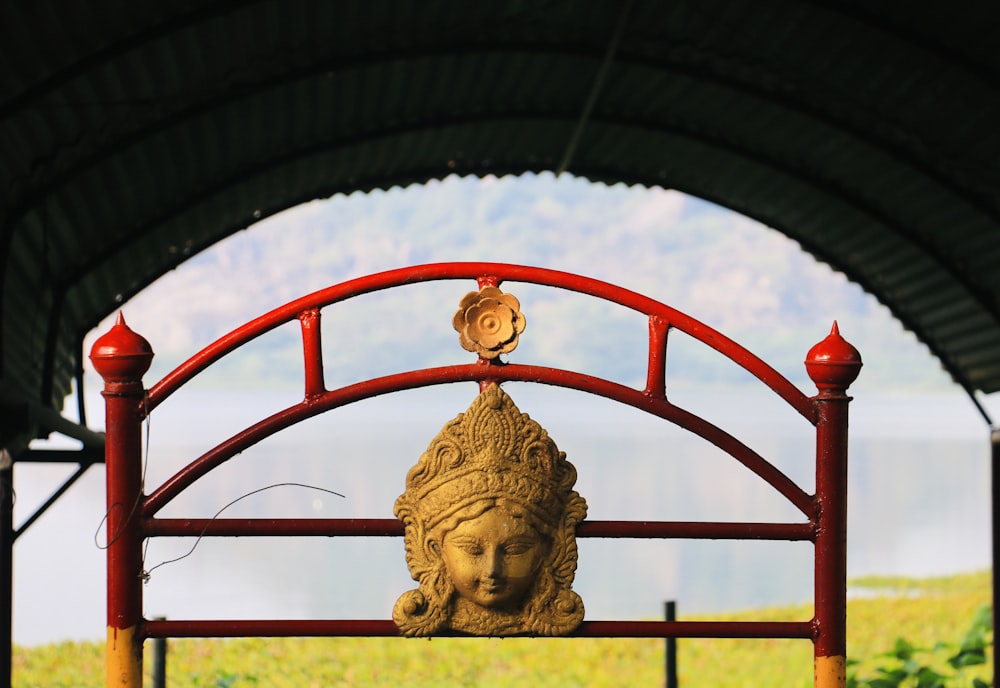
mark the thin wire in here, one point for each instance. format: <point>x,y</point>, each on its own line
<point>149,425</point>
<point>114,539</point>
<point>146,572</point>
<point>138,497</point>
<point>145,463</point>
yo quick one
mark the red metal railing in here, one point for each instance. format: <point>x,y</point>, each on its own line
<point>122,357</point>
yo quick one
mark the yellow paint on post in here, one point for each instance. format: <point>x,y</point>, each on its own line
<point>830,672</point>
<point>123,658</point>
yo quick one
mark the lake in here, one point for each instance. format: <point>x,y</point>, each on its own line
<point>919,505</point>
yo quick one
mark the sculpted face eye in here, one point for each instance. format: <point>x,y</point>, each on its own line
<point>519,547</point>
<point>469,546</point>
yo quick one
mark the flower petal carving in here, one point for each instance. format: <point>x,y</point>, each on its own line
<point>489,322</point>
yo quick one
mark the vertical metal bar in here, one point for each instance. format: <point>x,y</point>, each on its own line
<point>6,567</point>
<point>831,543</point>
<point>312,351</point>
<point>656,367</point>
<point>995,481</point>
<point>160,660</point>
<point>124,653</point>
<point>833,364</point>
<point>670,659</point>
<point>121,357</point>
<point>81,402</point>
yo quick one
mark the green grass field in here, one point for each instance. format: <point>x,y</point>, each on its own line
<point>924,612</point>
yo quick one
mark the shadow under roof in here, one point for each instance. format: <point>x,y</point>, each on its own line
<point>134,135</point>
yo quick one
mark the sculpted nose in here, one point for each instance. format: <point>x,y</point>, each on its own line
<point>494,563</point>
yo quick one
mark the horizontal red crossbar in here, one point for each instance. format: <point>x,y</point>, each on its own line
<point>301,411</point>
<point>391,527</point>
<point>378,628</point>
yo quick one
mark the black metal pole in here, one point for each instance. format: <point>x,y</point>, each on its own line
<point>670,614</point>
<point>995,508</point>
<point>160,660</point>
<point>6,567</point>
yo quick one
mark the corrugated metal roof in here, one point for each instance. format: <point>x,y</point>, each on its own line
<point>133,135</point>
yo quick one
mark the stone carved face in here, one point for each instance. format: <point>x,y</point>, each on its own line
<point>490,519</point>
<point>493,559</point>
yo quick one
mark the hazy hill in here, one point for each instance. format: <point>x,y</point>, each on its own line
<point>742,278</point>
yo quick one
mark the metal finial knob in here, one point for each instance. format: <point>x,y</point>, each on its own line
<point>833,363</point>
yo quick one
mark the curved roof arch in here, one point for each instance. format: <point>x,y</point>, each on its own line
<point>135,135</point>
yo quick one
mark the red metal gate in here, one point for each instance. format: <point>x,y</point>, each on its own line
<point>121,357</point>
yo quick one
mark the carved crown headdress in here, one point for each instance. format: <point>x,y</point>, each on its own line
<point>490,450</point>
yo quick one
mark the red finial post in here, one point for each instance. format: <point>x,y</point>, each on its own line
<point>121,357</point>
<point>833,364</point>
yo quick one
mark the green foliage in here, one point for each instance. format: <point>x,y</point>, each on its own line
<point>921,611</point>
<point>909,666</point>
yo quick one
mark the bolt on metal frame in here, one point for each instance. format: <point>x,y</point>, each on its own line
<point>121,357</point>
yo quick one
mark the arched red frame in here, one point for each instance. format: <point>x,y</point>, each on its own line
<point>121,357</point>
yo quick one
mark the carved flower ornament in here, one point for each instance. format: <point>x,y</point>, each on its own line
<point>488,322</point>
